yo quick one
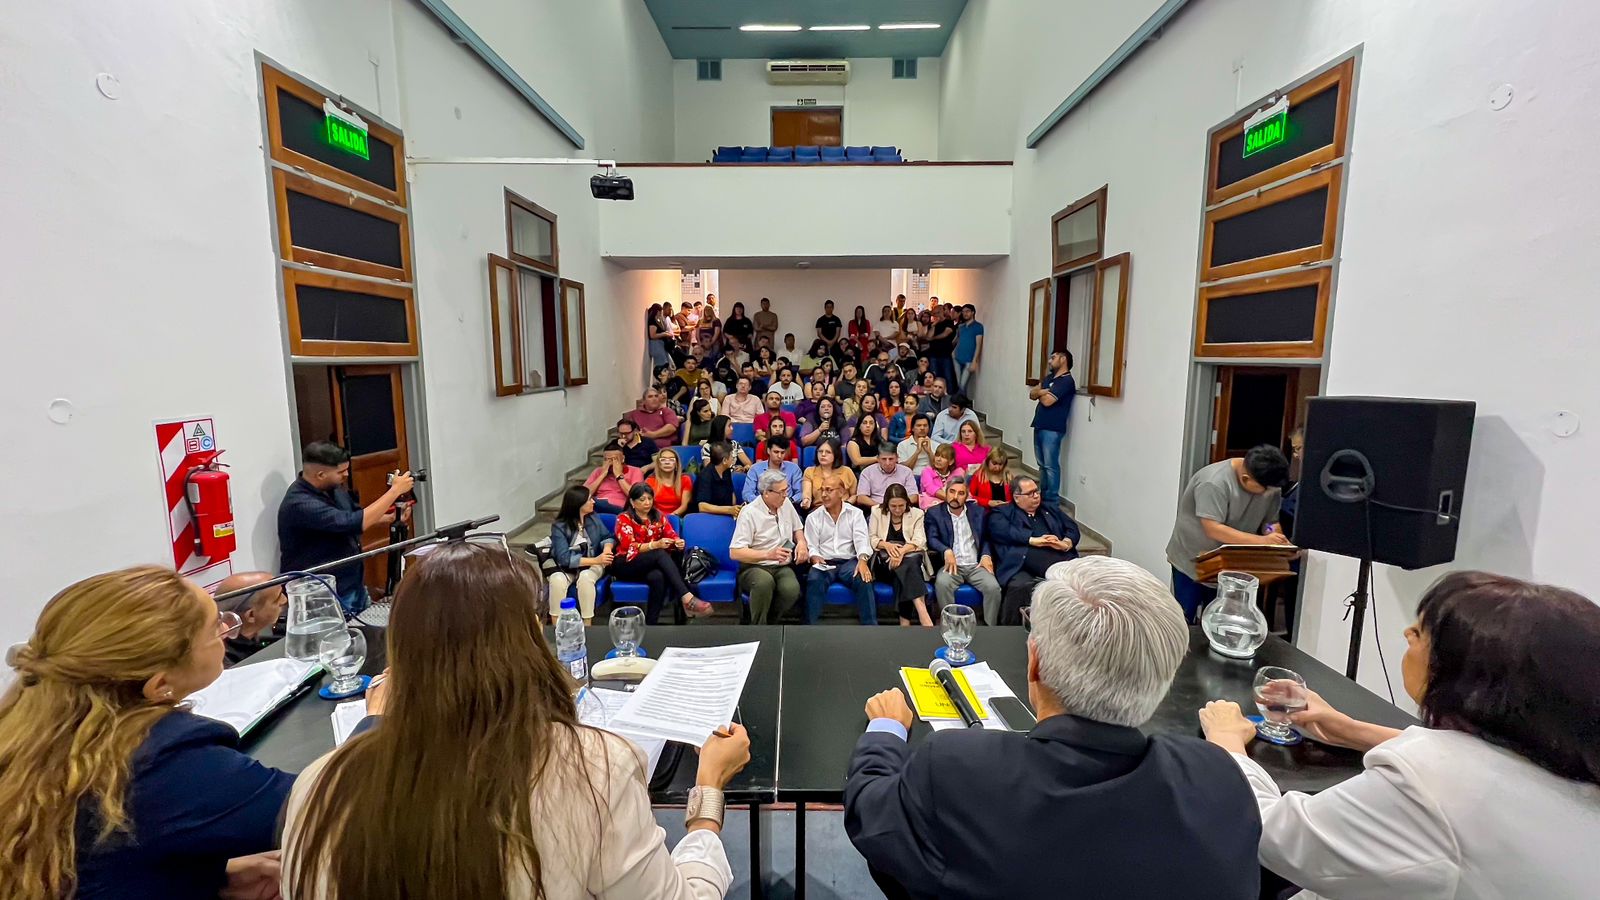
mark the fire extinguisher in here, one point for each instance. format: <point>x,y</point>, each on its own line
<point>205,489</point>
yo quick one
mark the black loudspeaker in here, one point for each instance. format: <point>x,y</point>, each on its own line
<point>1401,461</point>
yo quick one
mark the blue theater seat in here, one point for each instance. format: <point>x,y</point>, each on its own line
<point>858,154</point>
<point>688,458</point>
<point>727,154</point>
<point>808,457</point>
<point>745,433</point>
<point>780,154</point>
<point>833,154</point>
<point>714,533</point>
<point>753,155</point>
<point>738,484</point>
<point>886,154</point>
<point>807,154</point>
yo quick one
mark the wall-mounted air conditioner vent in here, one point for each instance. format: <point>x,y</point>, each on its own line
<point>808,71</point>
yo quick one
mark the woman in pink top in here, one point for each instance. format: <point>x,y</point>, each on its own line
<point>969,449</point>
<point>934,477</point>
<point>741,407</point>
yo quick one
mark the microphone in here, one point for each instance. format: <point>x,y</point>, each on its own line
<point>947,679</point>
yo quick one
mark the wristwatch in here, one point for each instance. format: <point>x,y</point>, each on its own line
<point>704,803</point>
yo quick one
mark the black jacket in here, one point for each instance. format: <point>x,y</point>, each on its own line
<point>1074,809</point>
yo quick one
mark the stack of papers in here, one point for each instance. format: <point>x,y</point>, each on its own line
<point>690,693</point>
<point>979,682</point>
<point>244,695</point>
<point>597,707</point>
<point>346,716</point>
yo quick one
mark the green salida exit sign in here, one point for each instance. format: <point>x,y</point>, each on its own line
<point>344,131</point>
<point>1269,132</point>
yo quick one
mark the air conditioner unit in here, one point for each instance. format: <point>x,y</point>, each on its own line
<point>808,71</point>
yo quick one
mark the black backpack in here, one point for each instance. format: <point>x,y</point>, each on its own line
<point>698,565</point>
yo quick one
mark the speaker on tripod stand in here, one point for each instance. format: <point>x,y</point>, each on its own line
<point>1382,481</point>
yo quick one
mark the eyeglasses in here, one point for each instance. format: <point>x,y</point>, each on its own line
<point>482,538</point>
<point>1032,493</point>
<point>228,625</point>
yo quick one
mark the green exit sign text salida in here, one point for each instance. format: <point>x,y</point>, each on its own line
<point>342,135</point>
<point>1269,132</point>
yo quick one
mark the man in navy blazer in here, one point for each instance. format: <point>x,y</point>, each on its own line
<point>1028,538</point>
<point>1085,805</point>
<point>960,548</point>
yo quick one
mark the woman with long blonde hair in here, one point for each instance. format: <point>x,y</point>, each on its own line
<point>479,782</point>
<point>108,786</point>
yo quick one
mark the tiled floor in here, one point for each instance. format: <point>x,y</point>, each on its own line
<point>834,870</point>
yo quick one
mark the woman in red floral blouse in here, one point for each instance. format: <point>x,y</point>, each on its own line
<point>647,553</point>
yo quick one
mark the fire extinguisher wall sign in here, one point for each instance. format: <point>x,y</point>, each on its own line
<point>199,505</point>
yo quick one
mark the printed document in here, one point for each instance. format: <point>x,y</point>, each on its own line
<point>691,692</point>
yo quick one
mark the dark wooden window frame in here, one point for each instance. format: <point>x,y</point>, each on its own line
<point>285,182</point>
<point>272,80</point>
<point>1059,266</point>
<point>562,286</point>
<point>1330,178</point>
<point>294,278</point>
<point>1038,353</point>
<point>1124,261</point>
<point>1341,75</point>
<point>517,201</point>
<point>1321,277</point>
<point>504,387</point>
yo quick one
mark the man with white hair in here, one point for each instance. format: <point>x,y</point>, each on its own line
<point>1084,805</point>
<point>767,538</point>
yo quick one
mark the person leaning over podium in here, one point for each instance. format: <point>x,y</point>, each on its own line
<point>478,781</point>
<point>1234,501</point>
<point>1085,805</point>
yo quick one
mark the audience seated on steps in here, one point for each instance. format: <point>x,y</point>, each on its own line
<point>610,482</point>
<point>581,548</point>
<point>969,447</point>
<point>958,546</point>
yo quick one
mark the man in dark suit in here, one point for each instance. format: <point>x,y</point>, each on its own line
<point>961,549</point>
<point>1085,805</point>
<point>1028,538</point>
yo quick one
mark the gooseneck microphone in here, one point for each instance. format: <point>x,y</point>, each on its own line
<point>947,679</point>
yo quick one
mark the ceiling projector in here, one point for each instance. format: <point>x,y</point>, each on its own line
<point>611,186</point>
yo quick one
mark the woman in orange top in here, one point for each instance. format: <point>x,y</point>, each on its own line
<point>672,487</point>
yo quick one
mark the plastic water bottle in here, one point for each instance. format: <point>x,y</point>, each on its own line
<point>570,647</point>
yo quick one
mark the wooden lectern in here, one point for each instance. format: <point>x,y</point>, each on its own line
<point>1267,562</point>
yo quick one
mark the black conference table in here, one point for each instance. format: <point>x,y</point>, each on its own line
<point>802,705</point>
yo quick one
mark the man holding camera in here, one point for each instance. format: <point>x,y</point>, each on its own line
<point>319,520</point>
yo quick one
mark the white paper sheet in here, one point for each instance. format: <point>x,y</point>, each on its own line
<point>987,684</point>
<point>597,707</point>
<point>690,693</point>
<point>346,716</point>
<point>243,695</point>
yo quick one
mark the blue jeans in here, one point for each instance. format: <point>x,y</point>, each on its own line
<point>964,376</point>
<point>1047,450</point>
<point>355,600</point>
<point>1191,594</point>
<point>843,572</point>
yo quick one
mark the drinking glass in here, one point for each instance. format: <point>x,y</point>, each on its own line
<point>1279,693</point>
<point>957,620</point>
<point>343,651</point>
<point>627,630</point>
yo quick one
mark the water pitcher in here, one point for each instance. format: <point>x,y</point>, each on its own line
<point>313,613</point>
<point>1232,623</point>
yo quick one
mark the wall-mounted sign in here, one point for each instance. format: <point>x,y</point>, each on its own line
<point>806,101</point>
<point>344,130</point>
<point>1267,128</point>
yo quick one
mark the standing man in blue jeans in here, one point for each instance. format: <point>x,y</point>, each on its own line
<point>1054,393</point>
<point>319,520</point>
<point>969,348</point>
<point>841,551</point>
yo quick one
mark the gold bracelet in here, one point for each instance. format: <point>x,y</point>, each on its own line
<point>704,803</point>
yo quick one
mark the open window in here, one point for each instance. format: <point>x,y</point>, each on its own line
<point>1078,233</point>
<point>531,234</point>
<point>505,325</point>
<point>1276,317</point>
<point>574,332</point>
<point>1039,331</point>
<point>1108,333</point>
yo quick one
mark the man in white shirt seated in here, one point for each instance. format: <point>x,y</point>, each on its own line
<point>947,424</point>
<point>841,551</point>
<point>916,451</point>
<point>787,388</point>
<point>767,539</point>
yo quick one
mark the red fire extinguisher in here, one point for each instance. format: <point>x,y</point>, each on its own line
<point>210,507</point>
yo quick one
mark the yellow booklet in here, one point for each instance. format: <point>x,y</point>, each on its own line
<point>929,699</point>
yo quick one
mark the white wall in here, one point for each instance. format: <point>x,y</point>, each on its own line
<point>775,211</point>
<point>143,286</point>
<point>1465,258</point>
<point>797,296</point>
<point>878,108</point>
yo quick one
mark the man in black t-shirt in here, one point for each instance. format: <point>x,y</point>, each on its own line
<point>829,328</point>
<point>942,344</point>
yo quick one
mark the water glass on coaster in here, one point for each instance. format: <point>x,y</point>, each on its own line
<point>1279,694</point>
<point>957,623</point>
<point>627,633</point>
<point>342,652</point>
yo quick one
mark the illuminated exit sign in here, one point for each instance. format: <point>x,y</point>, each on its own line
<point>1267,128</point>
<point>344,130</point>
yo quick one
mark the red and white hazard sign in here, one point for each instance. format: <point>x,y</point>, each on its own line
<point>178,443</point>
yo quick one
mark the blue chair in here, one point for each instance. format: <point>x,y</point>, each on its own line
<point>787,407</point>
<point>807,154</point>
<point>727,154</point>
<point>808,457</point>
<point>688,458</point>
<point>744,432</point>
<point>886,154</point>
<point>738,484</point>
<point>780,154</point>
<point>753,155</point>
<point>858,154</point>
<point>969,596</point>
<point>833,154</point>
<point>714,533</point>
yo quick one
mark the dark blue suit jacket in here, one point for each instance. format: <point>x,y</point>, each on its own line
<point>1009,530</point>
<point>942,530</point>
<point>1076,808</point>
<point>194,802</point>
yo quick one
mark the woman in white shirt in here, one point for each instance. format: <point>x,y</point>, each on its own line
<point>479,781</point>
<point>1498,796</point>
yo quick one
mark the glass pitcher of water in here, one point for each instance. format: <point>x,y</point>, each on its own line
<point>313,613</point>
<point>1232,623</point>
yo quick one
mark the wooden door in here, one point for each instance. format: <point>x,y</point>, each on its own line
<point>1254,405</point>
<point>370,414</point>
<point>823,126</point>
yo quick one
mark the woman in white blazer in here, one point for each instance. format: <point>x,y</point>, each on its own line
<point>478,781</point>
<point>900,553</point>
<point>1498,796</point>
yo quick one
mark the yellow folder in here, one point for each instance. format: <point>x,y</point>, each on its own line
<point>929,699</point>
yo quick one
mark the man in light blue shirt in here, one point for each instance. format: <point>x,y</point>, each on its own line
<point>947,424</point>
<point>777,449</point>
